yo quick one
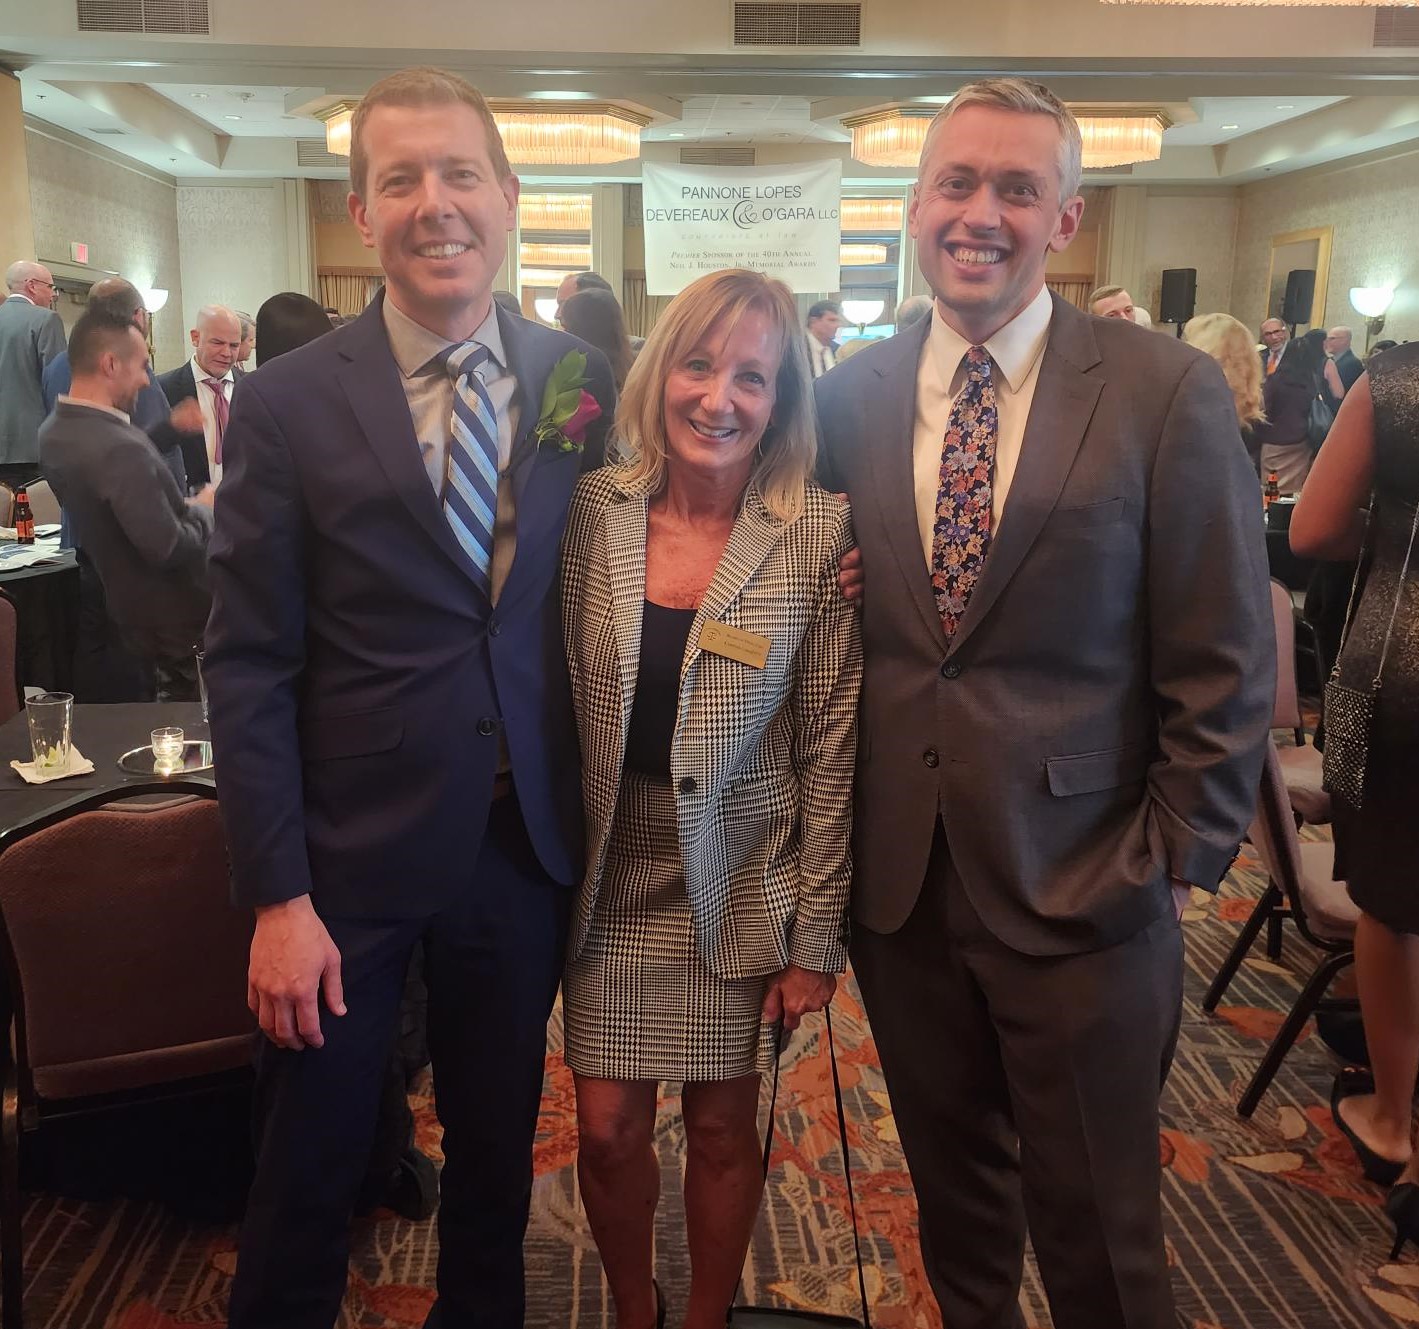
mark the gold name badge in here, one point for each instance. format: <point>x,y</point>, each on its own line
<point>735,644</point>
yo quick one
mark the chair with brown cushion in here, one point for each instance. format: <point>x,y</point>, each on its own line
<point>44,507</point>
<point>1299,884</point>
<point>127,969</point>
<point>1301,763</point>
<point>9,671</point>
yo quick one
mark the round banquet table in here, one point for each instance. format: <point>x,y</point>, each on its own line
<point>46,600</point>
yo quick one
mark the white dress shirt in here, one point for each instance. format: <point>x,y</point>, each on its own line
<point>429,390</point>
<point>1015,352</point>
<point>822,358</point>
<point>209,413</point>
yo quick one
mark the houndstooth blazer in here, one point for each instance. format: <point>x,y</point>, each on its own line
<point>762,759</point>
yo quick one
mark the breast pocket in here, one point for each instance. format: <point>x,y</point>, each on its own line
<point>1087,516</point>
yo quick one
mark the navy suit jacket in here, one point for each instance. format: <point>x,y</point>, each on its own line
<point>178,385</point>
<point>359,679</point>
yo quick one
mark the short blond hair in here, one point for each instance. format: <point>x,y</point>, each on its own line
<point>788,451</point>
<point>1103,293</point>
<point>1231,344</point>
<point>1025,97</point>
<point>422,85</point>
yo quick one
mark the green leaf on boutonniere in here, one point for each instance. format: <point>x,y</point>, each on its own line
<point>562,393</point>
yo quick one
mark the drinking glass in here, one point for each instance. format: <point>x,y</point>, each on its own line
<point>51,718</point>
<point>167,748</point>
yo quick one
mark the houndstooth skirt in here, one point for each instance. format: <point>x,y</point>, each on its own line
<point>639,1002</point>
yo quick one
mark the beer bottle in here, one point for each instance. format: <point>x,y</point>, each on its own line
<point>1272,490</point>
<point>24,518</point>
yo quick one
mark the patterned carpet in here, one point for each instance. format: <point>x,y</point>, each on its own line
<point>1270,1224</point>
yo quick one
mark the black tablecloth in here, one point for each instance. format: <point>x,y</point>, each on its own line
<point>47,612</point>
<point>102,734</point>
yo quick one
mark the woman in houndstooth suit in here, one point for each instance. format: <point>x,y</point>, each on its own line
<point>715,668</point>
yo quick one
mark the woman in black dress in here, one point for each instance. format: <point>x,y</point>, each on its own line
<point>1374,445</point>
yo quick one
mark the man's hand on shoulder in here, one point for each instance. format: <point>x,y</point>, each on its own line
<point>205,497</point>
<point>293,962</point>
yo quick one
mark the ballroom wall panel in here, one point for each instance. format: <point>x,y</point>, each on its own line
<point>1374,210</point>
<point>233,241</point>
<point>127,217</point>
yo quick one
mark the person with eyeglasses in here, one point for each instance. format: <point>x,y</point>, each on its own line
<point>31,335</point>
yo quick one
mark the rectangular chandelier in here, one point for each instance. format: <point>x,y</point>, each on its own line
<point>592,135</point>
<point>871,214</point>
<point>554,212</point>
<point>1120,137</point>
<point>860,255</point>
<point>1274,4</point>
<point>534,255</point>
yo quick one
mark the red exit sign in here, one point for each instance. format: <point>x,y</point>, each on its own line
<point>78,252</point>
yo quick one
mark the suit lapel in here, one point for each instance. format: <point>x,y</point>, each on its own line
<point>625,534</point>
<point>530,369</point>
<point>1063,404</point>
<point>893,480</point>
<point>755,533</point>
<point>371,382</point>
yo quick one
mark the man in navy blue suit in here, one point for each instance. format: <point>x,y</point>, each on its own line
<point>392,717</point>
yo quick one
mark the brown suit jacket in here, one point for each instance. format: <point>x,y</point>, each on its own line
<point>1098,721</point>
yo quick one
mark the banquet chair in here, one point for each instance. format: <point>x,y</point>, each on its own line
<point>1298,881</point>
<point>1302,763</point>
<point>126,966</point>
<point>9,670</point>
<point>44,507</point>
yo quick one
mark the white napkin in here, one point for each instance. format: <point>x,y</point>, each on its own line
<point>78,765</point>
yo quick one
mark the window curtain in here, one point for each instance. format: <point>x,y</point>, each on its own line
<point>1076,292</point>
<point>349,292</point>
<point>641,310</point>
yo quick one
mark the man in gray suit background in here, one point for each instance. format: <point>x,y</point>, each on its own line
<point>1068,685</point>
<point>31,335</point>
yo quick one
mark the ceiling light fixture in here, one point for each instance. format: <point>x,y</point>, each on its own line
<point>860,255</point>
<point>889,138</point>
<point>554,212</point>
<point>594,135</point>
<point>1231,126</point>
<point>871,214</point>
<point>1120,136</point>
<point>337,118</point>
<point>533,254</point>
<point>231,117</point>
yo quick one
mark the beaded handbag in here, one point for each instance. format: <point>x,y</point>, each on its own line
<point>1350,712</point>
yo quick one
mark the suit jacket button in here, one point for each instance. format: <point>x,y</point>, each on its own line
<point>950,669</point>
<point>487,727</point>
<point>687,785</point>
<point>494,628</point>
<point>930,758</point>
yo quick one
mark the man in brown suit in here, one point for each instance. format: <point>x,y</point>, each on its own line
<point>1068,684</point>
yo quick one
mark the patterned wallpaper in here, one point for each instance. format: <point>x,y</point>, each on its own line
<point>327,201</point>
<point>128,220</point>
<point>233,240</point>
<point>1190,231</point>
<point>1373,210</point>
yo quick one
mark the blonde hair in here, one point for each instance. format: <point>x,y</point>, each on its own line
<point>1102,293</point>
<point>1026,97</point>
<point>1231,344</point>
<point>422,85</point>
<point>788,450</point>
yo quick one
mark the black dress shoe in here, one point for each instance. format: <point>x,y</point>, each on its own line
<point>414,1189</point>
<point>1350,1083</point>
<point>1402,1205</point>
<point>659,1305</point>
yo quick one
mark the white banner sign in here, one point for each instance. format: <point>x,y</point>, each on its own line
<point>780,220</point>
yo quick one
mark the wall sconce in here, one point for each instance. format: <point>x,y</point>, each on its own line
<point>863,312</point>
<point>1373,302</point>
<point>546,307</point>
<point>154,298</point>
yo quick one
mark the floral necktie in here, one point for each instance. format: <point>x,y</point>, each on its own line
<point>961,537</point>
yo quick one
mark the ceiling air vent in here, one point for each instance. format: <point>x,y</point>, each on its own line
<point>312,152</point>
<point>768,24</point>
<point>709,154</point>
<point>184,17</point>
<point>1396,27</point>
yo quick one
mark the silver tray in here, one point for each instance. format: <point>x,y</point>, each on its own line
<point>196,756</point>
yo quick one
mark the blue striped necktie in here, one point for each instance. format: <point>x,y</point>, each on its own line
<point>470,499</point>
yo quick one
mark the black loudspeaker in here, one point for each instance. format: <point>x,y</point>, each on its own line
<point>1179,297</point>
<point>1300,295</point>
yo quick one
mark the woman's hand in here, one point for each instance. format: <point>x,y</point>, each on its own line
<point>795,992</point>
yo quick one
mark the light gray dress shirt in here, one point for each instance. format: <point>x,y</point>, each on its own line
<point>429,390</point>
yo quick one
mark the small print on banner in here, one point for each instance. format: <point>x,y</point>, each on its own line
<point>784,221</point>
